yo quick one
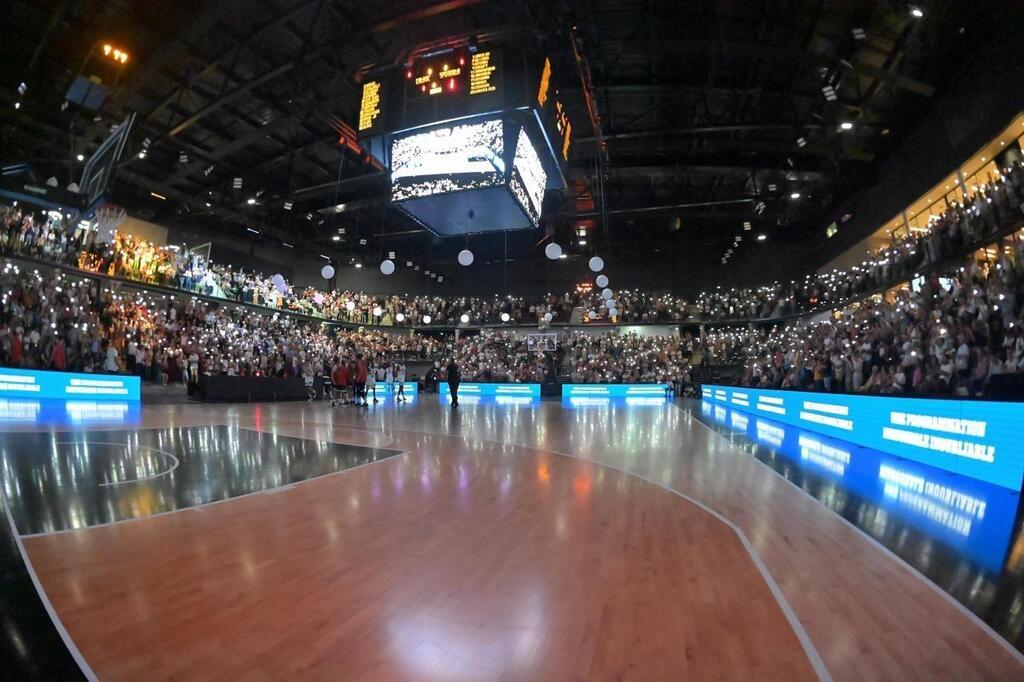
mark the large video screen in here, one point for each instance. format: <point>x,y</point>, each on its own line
<point>448,159</point>
<point>528,178</point>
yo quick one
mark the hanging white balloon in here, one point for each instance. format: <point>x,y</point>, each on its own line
<point>597,264</point>
<point>613,313</point>
<point>318,298</point>
<point>277,279</point>
<point>592,315</point>
<point>553,251</point>
<point>281,287</point>
<point>464,318</point>
<point>606,294</point>
<point>387,266</point>
<point>610,303</point>
<point>327,271</point>
<point>378,311</point>
<point>400,317</point>
<point>426,319</point>
<point>548,317</point>
<point>465,257</point>
<point>505,317</point>
<point>602,281</point>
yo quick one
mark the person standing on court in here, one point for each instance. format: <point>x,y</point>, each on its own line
<point>362,371</point>
<point>454,377</point>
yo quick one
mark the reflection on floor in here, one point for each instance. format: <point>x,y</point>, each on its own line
<point>955,530</point>
<point>61,481</point>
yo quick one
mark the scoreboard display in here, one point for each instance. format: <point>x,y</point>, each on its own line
<point>473,136</point>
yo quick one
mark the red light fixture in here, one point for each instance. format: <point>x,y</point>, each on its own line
<point>451,83</point>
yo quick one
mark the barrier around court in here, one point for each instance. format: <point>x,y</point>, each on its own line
<point>39,384</point>
<point>473,390</point>
<point>614,391</point>
<point>979,439</point>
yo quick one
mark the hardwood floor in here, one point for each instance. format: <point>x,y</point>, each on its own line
<point>484,554</point>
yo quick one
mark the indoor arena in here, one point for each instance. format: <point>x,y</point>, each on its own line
<point>512,340</point>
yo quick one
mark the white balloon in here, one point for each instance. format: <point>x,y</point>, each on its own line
<point>553,251</point>
<point>548,317</point>
<point>592,315</point>
<point>606,294</point>
<point>327,271</point>
<point>350,305</point>
<point>597,264</point>
<point>505,317</point>
<point>464,318</point>
<point>465,257</point>
<point>610,303</point>
<point>277,279</point>
<point>387,266</point>
<point>613,313</point>
<point>378,311</point>
<point>400,317</point>
<point>602,281</point>
<point>426,319</point>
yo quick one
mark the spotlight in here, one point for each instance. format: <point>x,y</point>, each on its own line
<point>250,201</point>
<point>794,195</point>
<point>80,157</point>
<point>916,12</point>
<point>845,125</point>
<point>762,237</point>
<point>335,238</point>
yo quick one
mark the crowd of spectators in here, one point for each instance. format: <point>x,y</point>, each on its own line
<point>953,335</point>
<point>994,207</point>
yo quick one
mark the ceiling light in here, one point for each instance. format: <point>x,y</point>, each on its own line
<point>80,157</point>
<point>801,142</point>
<point>335,238</point>
<point>252,230</point>
<point>772,187</point>
<point>916,12</point>
<point>845,125</point>
<point>563,256</point>
<point>859,34</point>
<point>746,225</point>
<point>287,206</point>
<point>794,195</point>
<point>762,237</point>
<point>359,265</point>
<point>287,244</point>
<point>250,201</point>
<point>161,197</point>
<point>142,155</point>
<point>237,183</point>
<point>183,158</point>
<point>17,105</point>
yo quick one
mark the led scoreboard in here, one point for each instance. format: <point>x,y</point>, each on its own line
<point>473,137</point>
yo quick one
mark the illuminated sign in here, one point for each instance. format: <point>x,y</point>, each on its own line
<point>481,74</point>
<point>977,439</point>
<point>975,517</point>
<point>371,105</point>
<point>530,392</point>
<point>545,83</point>
<point>564,127</point>
<point>21,383</point>
<point>615,391</point>
<point>439,75</point>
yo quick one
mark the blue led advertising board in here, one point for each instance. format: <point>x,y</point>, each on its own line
<point>509,393</point>
<point>978,439</point>
<point>23,383</point>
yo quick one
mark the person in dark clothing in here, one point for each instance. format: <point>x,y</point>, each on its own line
<point>454,377</point>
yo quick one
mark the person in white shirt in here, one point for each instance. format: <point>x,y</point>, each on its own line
<point>400,379</point>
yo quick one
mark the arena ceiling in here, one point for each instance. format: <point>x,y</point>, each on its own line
<point>703,116</point>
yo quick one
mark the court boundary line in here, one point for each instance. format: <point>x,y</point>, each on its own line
<point>41,593</point>
<point>111,484</point>
<point>973,617</point>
